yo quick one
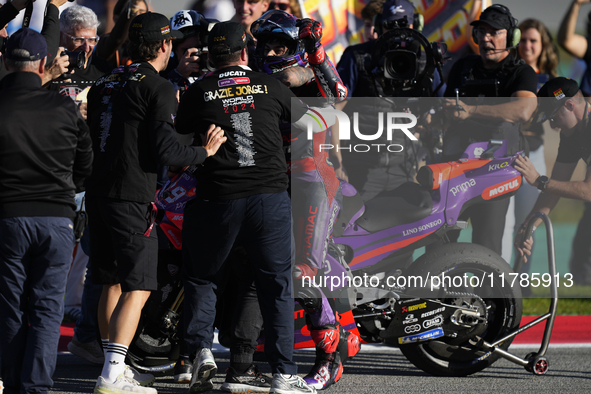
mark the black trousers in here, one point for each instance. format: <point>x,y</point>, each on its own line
<point>488,224</point>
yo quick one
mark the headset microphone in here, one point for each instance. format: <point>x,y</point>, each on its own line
<point>503,49</point>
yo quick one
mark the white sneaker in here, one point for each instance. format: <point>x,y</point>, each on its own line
<point>290,384</point>
<point>144,379</point>
<point>204,369</point>
<point>123,385</point>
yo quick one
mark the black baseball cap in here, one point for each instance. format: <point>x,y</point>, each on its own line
<point>151,26</point>
<point>554,93</point>
<point>28,40</point>
<point>497,16</point>
<point>226,37</point>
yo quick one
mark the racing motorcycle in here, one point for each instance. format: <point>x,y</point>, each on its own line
<point>455,318</point>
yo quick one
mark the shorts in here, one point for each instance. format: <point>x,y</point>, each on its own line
<point>120,252</point>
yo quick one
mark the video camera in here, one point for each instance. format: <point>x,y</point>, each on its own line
<point>204,65</point>
<point>403,61</point>
<point>202,29</point>
<point>76,59</point>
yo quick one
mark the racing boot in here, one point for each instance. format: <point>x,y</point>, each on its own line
<point>349,345</point>
<point>328,367</point>
<point>305,271</point>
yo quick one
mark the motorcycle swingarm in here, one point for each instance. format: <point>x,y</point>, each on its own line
<point>415,317</point>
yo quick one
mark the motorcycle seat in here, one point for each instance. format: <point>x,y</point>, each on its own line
<point>408,203</point>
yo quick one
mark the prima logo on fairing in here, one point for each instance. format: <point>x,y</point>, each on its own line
<point>463,187</point>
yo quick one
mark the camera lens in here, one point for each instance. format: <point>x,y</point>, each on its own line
<point>400,65</point>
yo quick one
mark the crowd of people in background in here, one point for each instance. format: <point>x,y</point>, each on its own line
<point>133,84</point>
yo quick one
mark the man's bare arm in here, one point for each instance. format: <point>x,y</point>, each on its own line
<point>518,110</point>
<point>575,44</point>
<point>560,186</point>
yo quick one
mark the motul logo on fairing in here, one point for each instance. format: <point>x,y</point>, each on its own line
<point>504,188</point>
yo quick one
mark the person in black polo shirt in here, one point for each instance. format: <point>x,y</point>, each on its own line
<point>510,90</point>
<point>561,101</point>
<point>131,122</point>
<point>241,197</point>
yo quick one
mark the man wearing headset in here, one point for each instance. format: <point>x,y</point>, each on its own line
<point>509,90</point>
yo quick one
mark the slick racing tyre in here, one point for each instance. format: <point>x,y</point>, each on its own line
<point>461,356</point>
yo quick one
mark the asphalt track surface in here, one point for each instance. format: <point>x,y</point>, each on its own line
<point>380,369</point>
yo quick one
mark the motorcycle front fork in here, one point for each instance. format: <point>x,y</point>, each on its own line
<point>171,317</point>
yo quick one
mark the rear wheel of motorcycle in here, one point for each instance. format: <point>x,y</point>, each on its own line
<point>440,357</point>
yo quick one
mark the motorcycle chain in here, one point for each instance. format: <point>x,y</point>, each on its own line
<point>471,334</point>
<point>460,295</point>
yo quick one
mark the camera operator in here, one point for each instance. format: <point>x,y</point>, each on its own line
<point>512,85</point>
<point>362,70</point>
<point>78,36</point>
<point>190,52</point>
<point>111,46</point>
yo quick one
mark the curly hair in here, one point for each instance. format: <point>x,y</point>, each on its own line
<point>144,51</point>
<point>78,16</point>
<point>548,60</point>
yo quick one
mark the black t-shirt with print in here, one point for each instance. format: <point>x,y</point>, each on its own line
<point>81,78</point>
<point>130,116</point>
<point>248,105</point>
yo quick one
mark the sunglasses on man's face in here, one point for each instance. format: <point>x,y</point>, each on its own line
<point>81,40</point>
<point>279,6</point>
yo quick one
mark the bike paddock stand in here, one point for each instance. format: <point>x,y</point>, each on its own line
<point>535,363</point>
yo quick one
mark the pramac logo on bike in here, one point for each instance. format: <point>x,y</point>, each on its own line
<point>388,118</point>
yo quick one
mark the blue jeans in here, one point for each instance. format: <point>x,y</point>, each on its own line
<point>210,229</point>
<point>35,255</point>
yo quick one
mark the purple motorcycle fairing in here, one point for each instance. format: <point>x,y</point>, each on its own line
<point>454,194</point>
<point>371,248</point>
<point>467,189</point>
